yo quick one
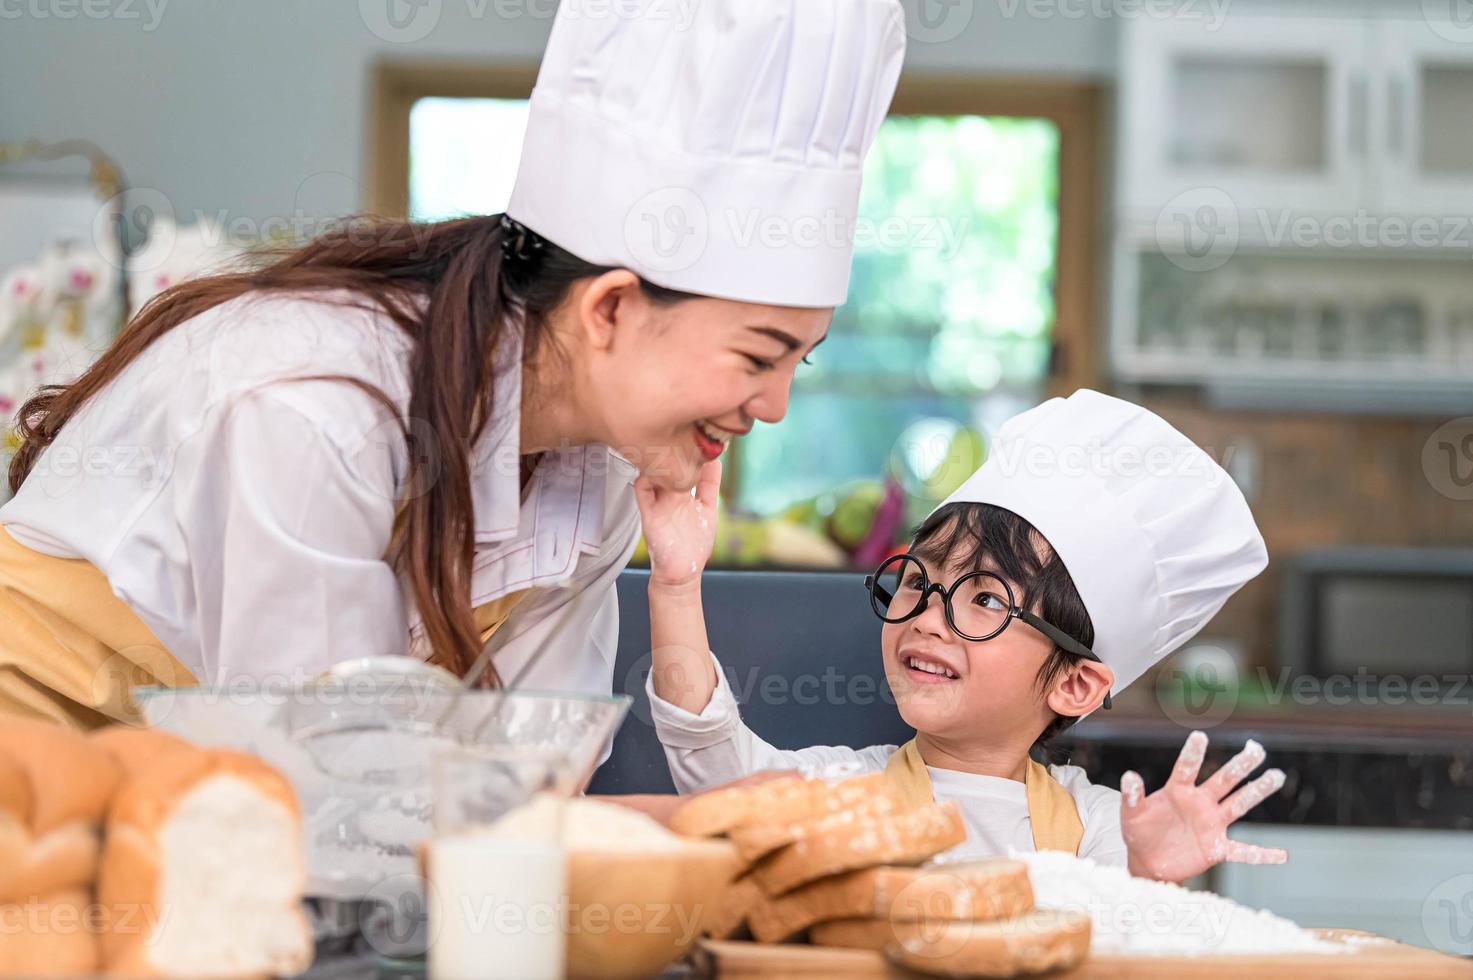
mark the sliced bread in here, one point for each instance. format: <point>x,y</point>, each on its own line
<point>1034,942</point>
<point>845,843</point>
<point>980,890</point>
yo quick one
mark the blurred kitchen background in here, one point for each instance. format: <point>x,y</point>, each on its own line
<point>1254,216</point>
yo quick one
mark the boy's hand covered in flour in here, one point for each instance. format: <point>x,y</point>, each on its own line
<point>1181,829</point>
<point>679,528</point>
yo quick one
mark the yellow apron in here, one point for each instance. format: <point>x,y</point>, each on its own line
<point>1051,810</point>
<point>70,650</point>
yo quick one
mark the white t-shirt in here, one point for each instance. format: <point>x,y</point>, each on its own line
<point>716,746</point>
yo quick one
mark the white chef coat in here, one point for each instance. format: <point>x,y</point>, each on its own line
<point>245,516</point>
<point>716,746</point>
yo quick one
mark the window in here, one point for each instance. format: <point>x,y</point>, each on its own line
<point>973,269</point>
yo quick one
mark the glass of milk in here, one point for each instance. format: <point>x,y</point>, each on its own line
<point>495,868</point>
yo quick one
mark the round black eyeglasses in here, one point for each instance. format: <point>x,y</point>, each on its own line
<point>979,606</point>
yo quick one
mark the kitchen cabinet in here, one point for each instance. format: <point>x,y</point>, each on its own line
<point>1270,112</point>
<point>1293,225</point>
<point>1422,91</point>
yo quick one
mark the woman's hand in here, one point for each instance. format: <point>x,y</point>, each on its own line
<point>679,528</point>
<point>1181,829</point>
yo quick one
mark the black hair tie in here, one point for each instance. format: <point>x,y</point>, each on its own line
<point>520,245</point>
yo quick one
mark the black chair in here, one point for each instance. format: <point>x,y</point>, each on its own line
<point>801,651</point>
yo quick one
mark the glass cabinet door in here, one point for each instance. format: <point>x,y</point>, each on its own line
<point>1424,85</point>
<point>1269,111</point>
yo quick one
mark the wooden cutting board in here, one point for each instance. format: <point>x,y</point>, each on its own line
<point>1370,957</point>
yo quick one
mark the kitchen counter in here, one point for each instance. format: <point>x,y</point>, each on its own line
<point>1344,766</point>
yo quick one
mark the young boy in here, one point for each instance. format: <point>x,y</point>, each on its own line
<point>1094,541</point>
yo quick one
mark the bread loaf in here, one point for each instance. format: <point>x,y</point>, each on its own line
<point>135,751</point>
<point>872,934</point>
<point>980,890</point>
<point>51,936</point>
<point>1035,942</point>
<point>845,843</point>
<point>203,871</point>
<point>54,788</point>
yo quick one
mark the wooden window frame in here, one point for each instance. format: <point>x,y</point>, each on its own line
<point>1076,108</point>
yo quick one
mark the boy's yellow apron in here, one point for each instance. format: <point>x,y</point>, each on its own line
<point>70,649</point>
<point>1052,812</point>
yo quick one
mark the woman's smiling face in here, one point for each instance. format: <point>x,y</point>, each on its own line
<point>675,382</point>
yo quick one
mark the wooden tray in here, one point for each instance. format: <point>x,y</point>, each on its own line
<point>1372,957</point>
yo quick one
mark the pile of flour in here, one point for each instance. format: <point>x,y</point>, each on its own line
<point>1143,917</point>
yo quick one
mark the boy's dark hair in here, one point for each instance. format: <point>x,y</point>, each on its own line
<point>999,540</point>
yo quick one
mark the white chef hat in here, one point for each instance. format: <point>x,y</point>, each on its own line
<point>1155,535</point>
<point>712,146</point>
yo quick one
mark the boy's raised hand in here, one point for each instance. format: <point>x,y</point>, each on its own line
<point>1181,829</point>
<point>679,527</point>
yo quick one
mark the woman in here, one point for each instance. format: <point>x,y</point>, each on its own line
<point>423,439</point>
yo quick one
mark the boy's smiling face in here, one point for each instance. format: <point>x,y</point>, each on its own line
<point>987,694</point>
<point>994,690</point>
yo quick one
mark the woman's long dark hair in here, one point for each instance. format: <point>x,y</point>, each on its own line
<point>478,276</point>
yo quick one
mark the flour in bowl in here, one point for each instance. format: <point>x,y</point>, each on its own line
<point>1154,918</point>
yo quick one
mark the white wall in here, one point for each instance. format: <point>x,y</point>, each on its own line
<point>258,107</point>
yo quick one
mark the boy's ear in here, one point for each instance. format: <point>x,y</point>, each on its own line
<point>1082,689</point>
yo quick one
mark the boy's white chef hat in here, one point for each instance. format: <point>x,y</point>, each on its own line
<point>1155,535</point>
<point>712,146</point>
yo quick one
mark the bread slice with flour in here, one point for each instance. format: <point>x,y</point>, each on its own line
<point>852,799</point>
<point>844,842</point>
<point>203,871</point>
<point>993,888</point>
<point>776,802</point>
<point>1035,942</point>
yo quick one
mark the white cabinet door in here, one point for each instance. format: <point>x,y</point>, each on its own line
<point>1422,91</point>
<point>1270,111</point>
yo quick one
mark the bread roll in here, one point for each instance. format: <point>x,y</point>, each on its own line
<point>54,936</point>
<point>844,844</point>
<point>1035,942</point>
<point>979,890</point>
<point>203,871</point>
